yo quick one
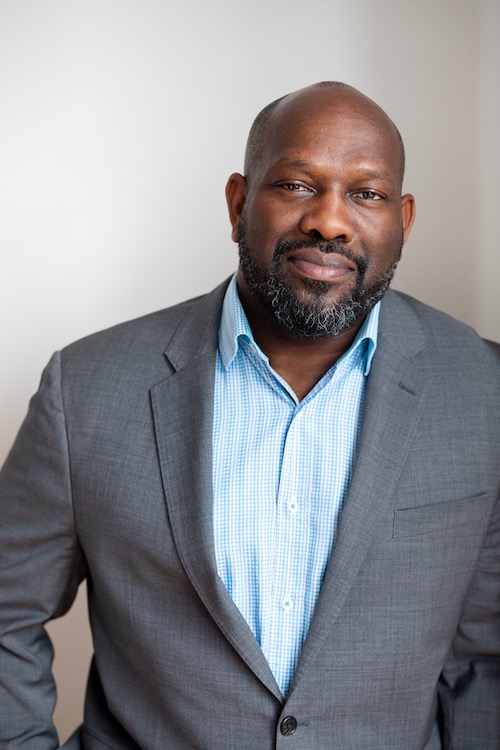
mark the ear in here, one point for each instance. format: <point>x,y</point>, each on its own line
<point>407,214</point>
<point>236,191</point>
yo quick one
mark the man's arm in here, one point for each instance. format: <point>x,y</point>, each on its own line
<point>470,683</point>
<point>41,565</point>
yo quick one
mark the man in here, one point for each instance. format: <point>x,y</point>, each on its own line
<point>283,495</point>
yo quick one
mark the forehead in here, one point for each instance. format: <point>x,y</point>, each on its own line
<point>344,129</point>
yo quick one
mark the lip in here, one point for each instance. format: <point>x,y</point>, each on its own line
<point>321,266</point>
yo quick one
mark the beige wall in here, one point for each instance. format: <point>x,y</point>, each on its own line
<point>121,120</point>
<point>487,237</point>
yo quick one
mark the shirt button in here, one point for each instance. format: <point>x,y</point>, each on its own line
<point>293,505</point>
<point>287,604</point>
<point>288,726</point>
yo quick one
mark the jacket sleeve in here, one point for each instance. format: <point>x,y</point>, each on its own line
<point>41,566</point>
<point>469,688</point>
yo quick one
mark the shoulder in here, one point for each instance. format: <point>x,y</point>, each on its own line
<point>159,326</point>
<point>441,336</point>
<point>139,345</point>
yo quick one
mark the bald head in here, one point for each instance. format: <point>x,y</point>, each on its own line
<point>307,103</point>
<point>319,216</point>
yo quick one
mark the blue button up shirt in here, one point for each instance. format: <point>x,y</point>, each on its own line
<point>281,470</point>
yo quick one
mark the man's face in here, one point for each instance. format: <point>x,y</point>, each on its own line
<point>321,221</point>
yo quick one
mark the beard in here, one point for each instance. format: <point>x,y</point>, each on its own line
<point>310,315</point>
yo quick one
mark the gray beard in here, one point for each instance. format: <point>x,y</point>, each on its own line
<point>313,317</point>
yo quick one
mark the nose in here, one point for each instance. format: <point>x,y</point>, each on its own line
<point>327,217</point>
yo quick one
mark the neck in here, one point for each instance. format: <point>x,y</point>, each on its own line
<point>301,361</point>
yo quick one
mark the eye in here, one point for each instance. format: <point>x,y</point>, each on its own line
<point>295,187</point>
<point>369,195</point>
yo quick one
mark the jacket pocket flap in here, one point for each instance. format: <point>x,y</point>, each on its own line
<point>441,516</point>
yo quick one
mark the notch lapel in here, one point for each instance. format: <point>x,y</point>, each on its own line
<point>183,416</point>
<point>394,400</point>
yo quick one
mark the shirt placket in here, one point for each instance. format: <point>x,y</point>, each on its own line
<point>286,601</point>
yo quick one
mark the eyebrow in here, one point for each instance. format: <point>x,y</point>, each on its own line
<point>368,172</point>
<point>296,163</point>
<point>376,174</point>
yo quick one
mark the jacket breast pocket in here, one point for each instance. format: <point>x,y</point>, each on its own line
<point>470,513</point>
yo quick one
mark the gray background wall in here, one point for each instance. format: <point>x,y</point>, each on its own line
<point>121,120</point>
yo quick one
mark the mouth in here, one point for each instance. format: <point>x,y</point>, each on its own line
<point>313,264</point>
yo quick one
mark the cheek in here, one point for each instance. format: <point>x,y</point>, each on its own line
<point>382,253</point>
<point>266,217</point>
<point>386,239</point>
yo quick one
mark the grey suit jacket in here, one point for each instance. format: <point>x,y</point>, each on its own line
<point>111,478</point>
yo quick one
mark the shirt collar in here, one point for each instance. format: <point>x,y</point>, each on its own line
<point>234,326</point>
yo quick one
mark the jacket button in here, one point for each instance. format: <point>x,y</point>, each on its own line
<point>288,726</point>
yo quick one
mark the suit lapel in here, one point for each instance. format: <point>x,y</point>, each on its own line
<point>183,415</point>
<point>393,402</point>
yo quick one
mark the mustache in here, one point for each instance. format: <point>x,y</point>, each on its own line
<point>324,246</point>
